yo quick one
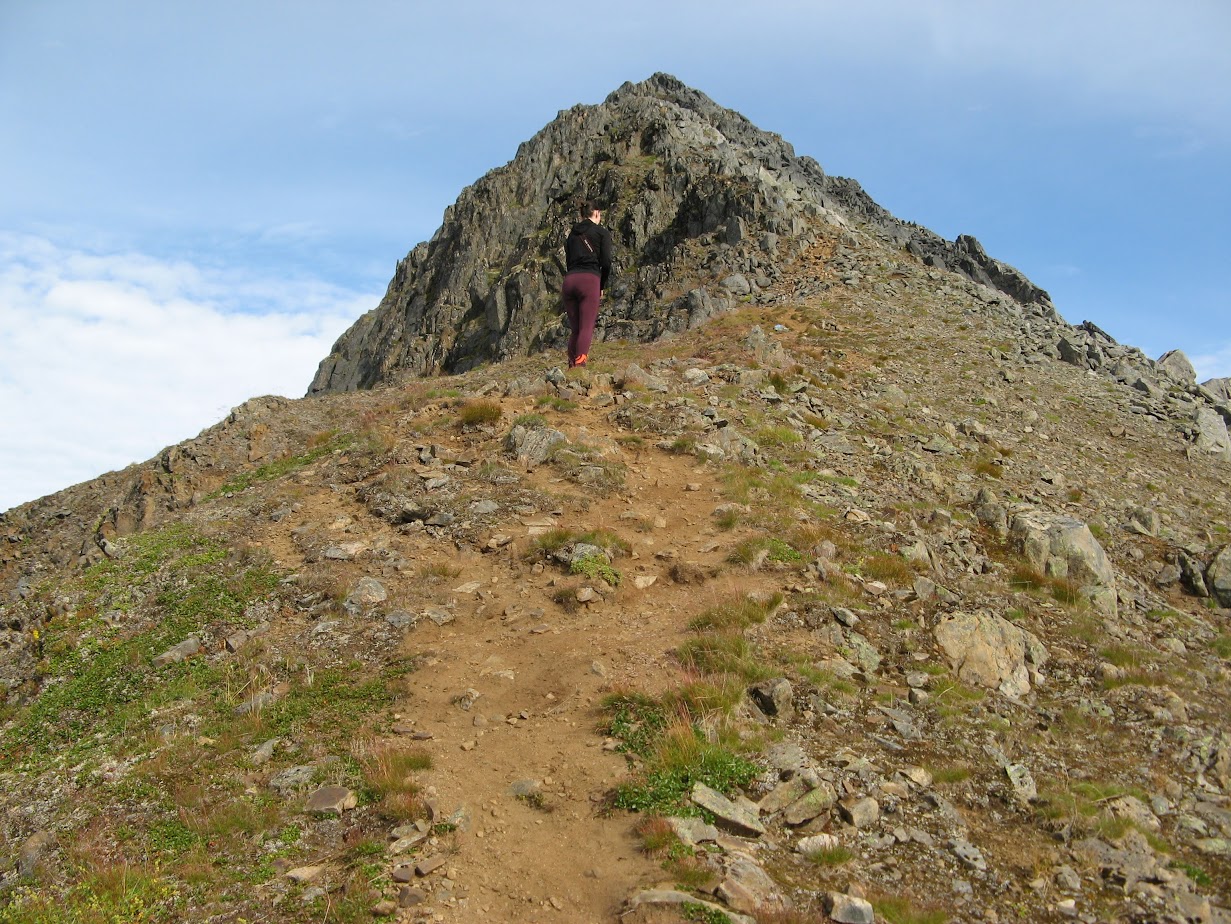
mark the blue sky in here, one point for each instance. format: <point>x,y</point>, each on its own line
<point>199,198</point>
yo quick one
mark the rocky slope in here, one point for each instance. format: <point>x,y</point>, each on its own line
<point>778,618</point>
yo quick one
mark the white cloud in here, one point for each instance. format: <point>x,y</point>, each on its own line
<point>105,359</point>
<point>1215,364</point>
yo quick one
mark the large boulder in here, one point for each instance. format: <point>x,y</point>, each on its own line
<point>988,651</point>
<point>1178,366</point>
<point>1218,577</point>
<point>1060,546</point>
<point>1211,432</point>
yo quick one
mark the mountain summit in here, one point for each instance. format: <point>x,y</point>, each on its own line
<point>706,210</point>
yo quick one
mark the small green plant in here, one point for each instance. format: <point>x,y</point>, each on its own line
<point>636,720</point>
<point>388,779</point>
<point>1221,646</point>
<point>556,403</point>
<point>750,551</point>
<point>1200,877</point>
<point>596,567</point>
<point>530,421</point>
<point>703,914</point>
<point>891,569</point>
<point>682,757</point>
<point>989,468</point>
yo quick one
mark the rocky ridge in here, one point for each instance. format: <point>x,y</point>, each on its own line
<point>956,633</point>
<point>705,208</point>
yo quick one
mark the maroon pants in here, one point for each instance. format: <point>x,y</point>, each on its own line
<point>581,293</point>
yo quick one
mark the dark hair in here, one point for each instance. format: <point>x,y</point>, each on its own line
<point>587,207</point>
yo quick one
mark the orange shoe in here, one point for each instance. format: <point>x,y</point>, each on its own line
<point>580,360</point>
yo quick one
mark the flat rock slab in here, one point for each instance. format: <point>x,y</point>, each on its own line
<point>671,897</point>
<point>730,816</point>
<point>304,874</point>
<point>816,802</point>
<point>337,799</point>
<point>429,865</point>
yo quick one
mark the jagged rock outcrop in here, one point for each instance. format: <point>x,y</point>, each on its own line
<point>705,208</point>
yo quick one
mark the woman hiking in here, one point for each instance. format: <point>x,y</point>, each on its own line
<point>588,264</point>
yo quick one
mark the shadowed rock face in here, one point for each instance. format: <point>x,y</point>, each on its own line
<point>695,195</point>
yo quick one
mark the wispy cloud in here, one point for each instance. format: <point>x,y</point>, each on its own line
<point>106,358</point>
<point>1215,364</point>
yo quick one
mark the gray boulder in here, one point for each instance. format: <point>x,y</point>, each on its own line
<point>1211,432</point>
<point>989,651</point>
<point>1218,577</point>
<point>1177,365</point>
<point>1062,547</point>
<point>533,445</point>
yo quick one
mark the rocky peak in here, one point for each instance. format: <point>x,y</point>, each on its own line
<point>695,194</point>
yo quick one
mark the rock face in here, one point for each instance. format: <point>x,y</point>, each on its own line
<point>698,199</point>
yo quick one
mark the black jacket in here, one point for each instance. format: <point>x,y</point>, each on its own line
<point>588,250</point>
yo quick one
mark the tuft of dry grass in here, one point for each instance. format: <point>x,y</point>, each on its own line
<point>478,414</point>
<point>388,774</point>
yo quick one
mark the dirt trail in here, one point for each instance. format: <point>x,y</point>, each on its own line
<point>540,673</point>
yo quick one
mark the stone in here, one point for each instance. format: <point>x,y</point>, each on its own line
<point>783,795</point>
<point>384,909</point>
<point>693,831</point>
<point>815,802</point>
<point>862,813</point>
<point>1062,547</point>
<point>265,752</point>
<point>409,897</point>
<point>728,814</point>
<point>817,843</point>
<point>1211,432</point>
<point>737,285</point>
<point>1024,788</point>
<point>366,592</point>
<point>181,652</point>
<point>32,851</point>
<point>1067,879</point>
<point>989,651</point>
<point>1218,577</point>
<point>748,888</point>
<point>673,897</point>
<point>774,698</point>
<point>1135,811</point>
<point>533,445</point>
<point>429,865</point>
<point>848,909</point>
<point>1178,366</point>
<point>292,779</point>
<point>970,855</point>
<point>256,703</point>
<point>305,874</point>
<point>331,799</point>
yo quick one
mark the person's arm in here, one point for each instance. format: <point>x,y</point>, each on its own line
<point>604,257</point>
